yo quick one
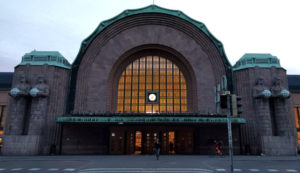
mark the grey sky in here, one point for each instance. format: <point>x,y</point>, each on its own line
<point>243,26</point>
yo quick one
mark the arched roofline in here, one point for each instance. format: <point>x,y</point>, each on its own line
<point>150,9</point>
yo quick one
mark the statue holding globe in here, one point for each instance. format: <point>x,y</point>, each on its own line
<point>280,97</point>
<point>278,91</point>
<point>260,90</point>
<point>39,93</point>
<point>19,93</point>
<point>21,89</point>
<point>261,95</point>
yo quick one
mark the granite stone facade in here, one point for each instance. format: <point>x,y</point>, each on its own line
<point>43,92</point>
<point>270,127</point>
<point>38,115</point>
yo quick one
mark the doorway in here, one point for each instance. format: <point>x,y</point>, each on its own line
<point>138,142</point>
<point>171,142</point>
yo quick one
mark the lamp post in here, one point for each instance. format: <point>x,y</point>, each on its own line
<point>229,131</point>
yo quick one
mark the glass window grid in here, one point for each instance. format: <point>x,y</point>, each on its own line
<point>297,117</point>
<point>155,74</point>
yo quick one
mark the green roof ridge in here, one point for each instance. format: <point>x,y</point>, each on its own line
<point>51,58</point>
<point>153,9</point>
<point>251,60</point>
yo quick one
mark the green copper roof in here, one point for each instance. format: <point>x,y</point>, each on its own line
<point>152,9</point>
<point>250,60</point>
<point>52,58</point>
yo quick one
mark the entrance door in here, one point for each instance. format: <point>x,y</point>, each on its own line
<point>184,142</point>
<point>171,142</point>
<point>148,142</point>
<point>138,142</point>
<point>116,141</point>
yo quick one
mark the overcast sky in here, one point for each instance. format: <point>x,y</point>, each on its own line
<point>243,26</point>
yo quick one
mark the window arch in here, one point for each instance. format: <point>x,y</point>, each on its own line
<point>152,74</point>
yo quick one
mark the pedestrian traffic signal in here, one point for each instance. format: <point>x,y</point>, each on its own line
<point>223,101</point>
<point>239,105</point>
<point>236,105</point>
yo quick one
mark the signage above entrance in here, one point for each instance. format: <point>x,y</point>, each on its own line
<point>148,120</point>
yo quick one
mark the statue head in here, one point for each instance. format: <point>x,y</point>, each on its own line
<point>276,82</point>
<point>259,81</point>
<point>22,79</point>
<point>41,80</point>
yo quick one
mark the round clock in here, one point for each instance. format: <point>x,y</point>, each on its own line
<point>152,97</point>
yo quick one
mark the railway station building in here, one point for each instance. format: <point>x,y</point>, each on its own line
<point>147,74</point>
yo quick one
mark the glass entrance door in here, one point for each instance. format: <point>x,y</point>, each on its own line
<point>138,142</point>
<point>171,142</point>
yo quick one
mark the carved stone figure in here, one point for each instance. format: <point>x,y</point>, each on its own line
<point>261,96</point>
<point>41,89</point>
<point>260,90</point>
<point>21,89</point>
<point>278,91</point>
<point>20,94</point>
<point>279,97</point>
<point>39,93</point>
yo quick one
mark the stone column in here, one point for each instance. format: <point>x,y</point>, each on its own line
<point>19,107</point>
<point>39,93</point>
<point>280,96</point>
<point>261,96</point>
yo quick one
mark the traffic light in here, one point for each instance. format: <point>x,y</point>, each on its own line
<point>223,101</point>
<point>239,105</point>
<point>236,105</point>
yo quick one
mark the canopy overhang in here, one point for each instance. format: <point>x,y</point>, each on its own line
<point>120,119</point>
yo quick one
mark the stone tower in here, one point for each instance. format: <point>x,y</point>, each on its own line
<point>38,96</point>
<point>262,83</point>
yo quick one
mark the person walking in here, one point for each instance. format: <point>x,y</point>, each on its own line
<point>157,148</point>
<point>219,148</point>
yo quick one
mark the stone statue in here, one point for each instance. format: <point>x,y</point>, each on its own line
<point>41,89</point>
<point>278,91</point>
<point>260,90</point>
<point>18,107</point>
<point>281,111</point>
<point>39,105</point>
<point>21,89</point>
<point>261,95</point>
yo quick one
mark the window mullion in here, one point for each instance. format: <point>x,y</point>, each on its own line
<point>152,83</point>
<point>138,99</point>
<point>173,84</point>
<point>124,90</point>
<point>131,86</point>
<point>145,83</point>
<point>166,86</point>
<point>180,91</point>
<point>159,83</point>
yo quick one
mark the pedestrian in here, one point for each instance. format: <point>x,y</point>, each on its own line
<point>219,148</point>
<point>157,148</point>
<point>171,147</point>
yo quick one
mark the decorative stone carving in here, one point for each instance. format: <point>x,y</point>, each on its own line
<point>41,89</point>
<point>21,89</point>
<point>278,91</point>
<point>281,113</point>
<point>260,90</point>
<point>261,95</point>
<point>19,103</point>
<point>39,93</point>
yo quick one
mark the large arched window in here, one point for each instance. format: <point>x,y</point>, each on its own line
<point>152,84</point>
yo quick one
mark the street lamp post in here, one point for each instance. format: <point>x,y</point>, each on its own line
<point>229,131</point>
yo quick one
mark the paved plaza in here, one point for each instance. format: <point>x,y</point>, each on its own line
<point>147,164</point>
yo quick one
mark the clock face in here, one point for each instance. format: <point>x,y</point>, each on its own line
<point>152,97</point>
